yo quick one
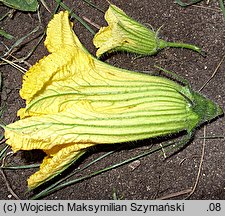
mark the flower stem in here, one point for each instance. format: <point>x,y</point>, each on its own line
<point>184,45</point>
<point>164,44</point>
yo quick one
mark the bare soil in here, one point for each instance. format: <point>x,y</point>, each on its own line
<point>153,176</point>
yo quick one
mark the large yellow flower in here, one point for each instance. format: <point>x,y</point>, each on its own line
<point>125,34</point>
<point>74,101</point>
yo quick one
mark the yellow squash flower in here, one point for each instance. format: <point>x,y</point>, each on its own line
<point>74,101</point>
<point>125,34</point>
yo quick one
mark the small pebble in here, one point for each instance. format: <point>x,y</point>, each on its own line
<point>134,165</point>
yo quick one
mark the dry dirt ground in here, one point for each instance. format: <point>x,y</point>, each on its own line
<point>154,177</point>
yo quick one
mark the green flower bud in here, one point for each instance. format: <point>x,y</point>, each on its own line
<point>125,34</point>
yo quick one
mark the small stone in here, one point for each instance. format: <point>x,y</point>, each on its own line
<point>134,165</point>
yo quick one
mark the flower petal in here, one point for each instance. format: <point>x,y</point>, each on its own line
<point>54,165</point>
<point>51,70</point>
<point>60,33</point>
<point>61,41</point>
<point>122,120</point>
<point>44,132</point>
